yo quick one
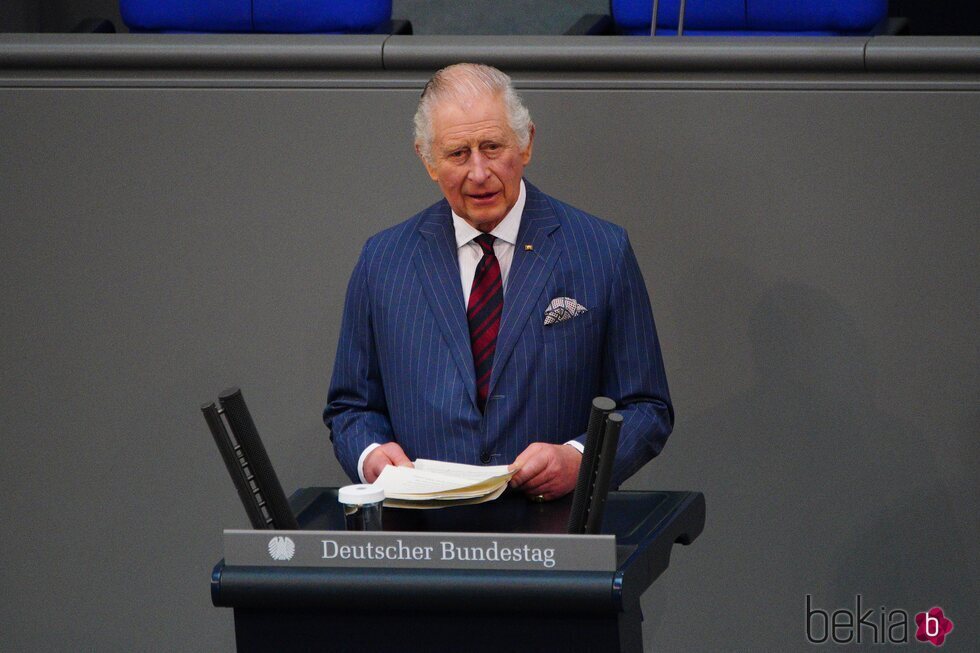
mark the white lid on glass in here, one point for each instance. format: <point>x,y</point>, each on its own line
<point>360,494</point>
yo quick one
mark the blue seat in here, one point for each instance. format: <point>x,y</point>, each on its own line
<point>273,16</point>
<point>751,17</point>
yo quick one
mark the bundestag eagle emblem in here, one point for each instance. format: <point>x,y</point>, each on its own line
<point>281,548</point>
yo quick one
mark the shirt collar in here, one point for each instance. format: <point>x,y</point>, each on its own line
<point>505,231</point>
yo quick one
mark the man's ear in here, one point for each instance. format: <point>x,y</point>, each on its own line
<point>428,168</point>
<point>526,154</point>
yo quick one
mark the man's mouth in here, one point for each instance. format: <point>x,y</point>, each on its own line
<point>483,197</point>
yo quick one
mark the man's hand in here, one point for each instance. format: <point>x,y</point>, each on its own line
<point>389,453</point>
<point>546,470</point>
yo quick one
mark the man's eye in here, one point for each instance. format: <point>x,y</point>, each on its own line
<point>457,154</point>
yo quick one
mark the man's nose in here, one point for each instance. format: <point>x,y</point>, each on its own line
<point>479,170</point>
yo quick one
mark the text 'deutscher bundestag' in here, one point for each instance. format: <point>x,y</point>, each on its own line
<point>503,551</point>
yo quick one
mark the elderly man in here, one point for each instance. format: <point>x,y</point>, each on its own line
<point>479,330</point>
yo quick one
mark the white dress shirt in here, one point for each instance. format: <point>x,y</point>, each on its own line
<point>469,253</point>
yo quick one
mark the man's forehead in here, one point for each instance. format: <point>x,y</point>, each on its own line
<point>482,117</point>
<point>474,131</point>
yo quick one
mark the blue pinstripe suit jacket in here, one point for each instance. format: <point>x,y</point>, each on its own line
<point>404,368</point>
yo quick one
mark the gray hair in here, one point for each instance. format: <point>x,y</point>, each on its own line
<point>466,80</point>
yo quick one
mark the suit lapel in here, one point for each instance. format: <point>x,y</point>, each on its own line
<point>529,272</point>
<point>438,267</point>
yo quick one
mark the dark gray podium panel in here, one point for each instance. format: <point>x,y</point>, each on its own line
<point>286,608</point>
<point>808,237</point>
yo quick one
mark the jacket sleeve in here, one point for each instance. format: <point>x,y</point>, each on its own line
<point>356,412</point>
<point>633,370</point>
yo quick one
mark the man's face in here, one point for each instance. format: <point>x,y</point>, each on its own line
<point>476,159</point>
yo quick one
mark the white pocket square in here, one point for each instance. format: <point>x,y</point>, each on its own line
<point>561,309</point>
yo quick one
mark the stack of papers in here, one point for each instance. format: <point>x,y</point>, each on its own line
<point>435,484</point>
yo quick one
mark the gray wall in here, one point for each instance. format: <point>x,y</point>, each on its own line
<point>501,17</point>
<point>809,243</point>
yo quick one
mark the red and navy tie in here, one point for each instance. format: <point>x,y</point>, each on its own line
<point>483,314</point>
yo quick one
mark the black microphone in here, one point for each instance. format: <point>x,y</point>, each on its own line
<point>237,466</point>
<point>601,406</point>
<point>242,426</point>
<point>610,441</point>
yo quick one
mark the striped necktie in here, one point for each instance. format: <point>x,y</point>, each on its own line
<point>483,313</point>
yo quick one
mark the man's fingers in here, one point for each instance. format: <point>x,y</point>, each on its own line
<point>397,456</point>
<point>390,453</point>
<point>549,470</point>
<point>531,468</point>
<point>521,459</point>
<point>373,467</point>
<point>544,483</point>
<point>538,485</point>
<point>528,464</point>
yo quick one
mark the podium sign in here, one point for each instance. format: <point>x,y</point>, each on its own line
<point>413,550</point>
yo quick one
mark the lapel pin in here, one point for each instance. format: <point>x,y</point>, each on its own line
<point>529,248</point>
